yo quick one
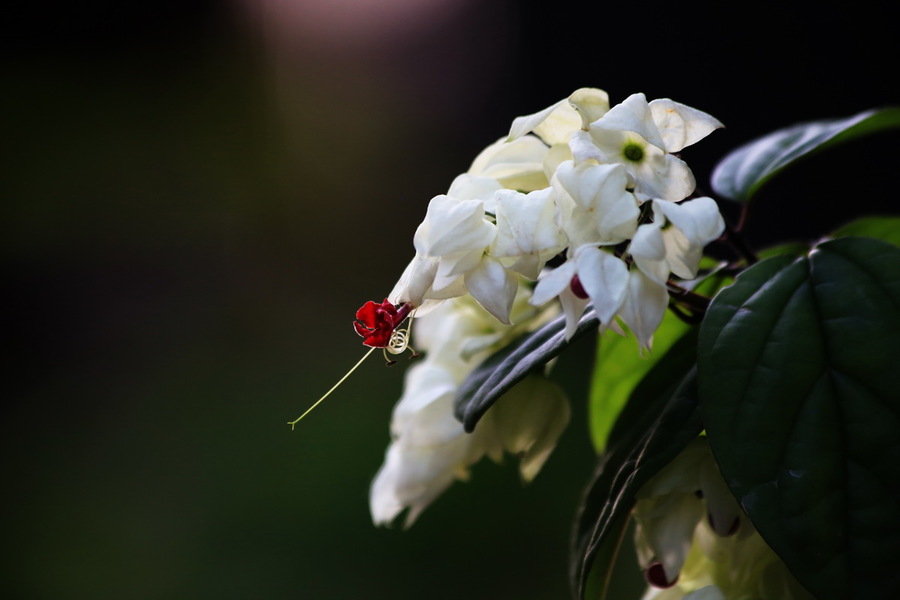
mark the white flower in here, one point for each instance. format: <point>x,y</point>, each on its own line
<point>451,259</point>
<point>695,223</point>
<point>695,543</point>
<point>556,123</point>
<point>643,136</point>
<point>527,234</point>
<point>456,232</point>
<point>429,448</point>
<point>644,306</point>
<point>528,421</point>
<point>594,204</point>
<point>467,244</point>
<point>515,165</point>
<point>588,171</point>
<point>674,241</point>
<point>589,273</point>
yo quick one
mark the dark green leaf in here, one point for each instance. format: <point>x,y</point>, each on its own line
<point>659,420</point>
<point>885,228</point>
<point>741,173</point>
<point>792,249</point>
<point>499,372</point>
<point>798,371</point>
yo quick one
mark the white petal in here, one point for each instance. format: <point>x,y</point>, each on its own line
<point>451,226</point>
<point>649,251</point>
<point>384,504</point>
<point>424,414</point>
<point>591,104</point>
<point>682,474</point>
<point>515,165</point>
<point>525,223</point>
<point>552,282</point>
<point>412,477</point>
<point>584,147</point>
<point>415,281</point>
<point>694,224</point>
<point>469,186</point>
<point>559,125</point>
<point>573,308</point>
<point>493,287</point>
<point>449,288</point>
<point>605,279</point>
<point>666,537</point>
<point>681,125</point>
<point>600,193</point>
<point>644,307</point>
<point>723,511</point>
<point>663,176</point>
<point>699,219</point>
<point>632,114</point>
<point>526,124</point>
<point>529,419</point>
<point>557,154</point>
<point>451,266</point>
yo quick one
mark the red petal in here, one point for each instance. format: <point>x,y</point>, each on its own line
<point>361,329</point>
<point>378,339</point>
<point>367,313</point>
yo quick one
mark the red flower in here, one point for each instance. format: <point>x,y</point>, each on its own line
<point>376,322</point>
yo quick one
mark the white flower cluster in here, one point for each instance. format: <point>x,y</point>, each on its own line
<point>602,184</point>
<point>429,447</point>
<point>695,543</point>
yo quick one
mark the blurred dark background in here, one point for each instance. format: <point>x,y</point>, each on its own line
<point>198,196</point>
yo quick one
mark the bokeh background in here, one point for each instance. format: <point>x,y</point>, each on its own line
<point>198,195</point>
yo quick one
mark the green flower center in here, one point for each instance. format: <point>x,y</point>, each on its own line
<point>633,152</point>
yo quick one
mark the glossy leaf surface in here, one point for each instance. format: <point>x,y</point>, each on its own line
<point>798,371</point>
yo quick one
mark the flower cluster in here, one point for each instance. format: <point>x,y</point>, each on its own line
<point>694,542</point>
<point>598,191</point>
<point>429,447</point>
<point>602,185</point>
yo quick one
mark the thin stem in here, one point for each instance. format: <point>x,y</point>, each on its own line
<point>742,219</point>
<point>689,318</point>
<point>334,387</point>
<point>733,236</point>
<point>613,559</point>
<point>694,301</point>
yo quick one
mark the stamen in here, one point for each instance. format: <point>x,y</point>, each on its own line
<point>334,387</point>
<point>379,324</point>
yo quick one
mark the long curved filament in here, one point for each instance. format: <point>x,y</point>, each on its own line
<point>334,387</point>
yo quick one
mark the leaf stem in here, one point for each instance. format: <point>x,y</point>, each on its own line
<point>692,300</point>
<point>604,593</point>
<point>736,240</point>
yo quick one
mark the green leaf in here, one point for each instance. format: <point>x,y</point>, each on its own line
<point>502,370</point>
<point>885,228</point>
<point>619,367</point>
<point>742,172</point>
<point>792,249</point>
<point>798,379</point>
<point>659,420</point>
